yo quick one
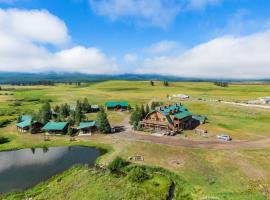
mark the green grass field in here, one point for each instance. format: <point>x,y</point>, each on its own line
<point>217,174</point>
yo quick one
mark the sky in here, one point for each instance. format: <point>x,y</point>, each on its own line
<point>187,38</point>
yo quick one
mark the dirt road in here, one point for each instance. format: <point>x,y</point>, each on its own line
<point>129,134</point>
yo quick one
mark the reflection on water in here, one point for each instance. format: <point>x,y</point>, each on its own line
<point>21,169</point>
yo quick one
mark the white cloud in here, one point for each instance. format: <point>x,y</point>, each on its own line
<point>130,58</point>
<point>162,47</point>
<point>201,4</point>
<point>223,57</point>
<point>24,36</point>
<point>158,13</point>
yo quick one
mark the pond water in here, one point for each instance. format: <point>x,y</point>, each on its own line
<point>21,169</point>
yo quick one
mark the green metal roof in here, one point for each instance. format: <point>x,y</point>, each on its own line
<point>182,115</point>
<point>199,118</point>
<point>178,111</point>
<point>55,126</point>
<point>87,124</point>
<point>168,109</point>
<point>24,123</point>
<point>115,104</point>
<point>26,117</point>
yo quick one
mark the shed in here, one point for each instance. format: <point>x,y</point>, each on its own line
<point>117,105</point>
<point>56,127</point>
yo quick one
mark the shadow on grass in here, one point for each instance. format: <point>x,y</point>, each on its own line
<point>4,140</point>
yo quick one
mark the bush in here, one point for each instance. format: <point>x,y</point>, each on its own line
<point>138,174</point>
<point>117,164</point>
<point>3,140</point>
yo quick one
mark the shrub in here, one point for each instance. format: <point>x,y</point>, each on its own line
<point>138,174</point>
<point>3,140</point>
<point>117,164</point>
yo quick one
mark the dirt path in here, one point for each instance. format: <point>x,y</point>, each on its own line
<point>247,105</point>
<point>129,134</point>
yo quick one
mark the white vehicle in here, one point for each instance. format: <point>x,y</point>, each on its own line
<point>224,137</point>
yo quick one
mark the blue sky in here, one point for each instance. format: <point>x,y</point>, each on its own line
<point>188,38</point>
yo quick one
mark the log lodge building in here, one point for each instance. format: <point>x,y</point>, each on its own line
<point>170,118</point>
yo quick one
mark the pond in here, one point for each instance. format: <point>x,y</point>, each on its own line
<point>22,169</point>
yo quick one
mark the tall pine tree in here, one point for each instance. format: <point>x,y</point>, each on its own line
<point>85,105</point>
<point>103,122</point>
<point>45,113</point>
<point>78,113</point>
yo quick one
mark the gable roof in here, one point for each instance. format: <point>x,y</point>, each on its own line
<point>24,123</point>
<point>182,115</point>
<point>178,111</point>
<point>87,124</point>
<point>55,126</point>
<point>111,104</point>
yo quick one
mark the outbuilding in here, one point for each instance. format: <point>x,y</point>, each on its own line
<point>115,105</point>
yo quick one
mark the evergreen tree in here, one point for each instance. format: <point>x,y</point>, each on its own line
<point>19,119</point>
<point>165,83</point>
<point>64,111</point>
<point>69,131</point>
<point>56,109</point>
<point>153,105</point>
<point>86,106</point>
<point>136,117</point>
<point>78,113</point>
<point>142,112</point>
<point>152,83</point>
<point>103,122</point>
<point>129,107</point>
<point>45,113</point>
<point>147,109</point>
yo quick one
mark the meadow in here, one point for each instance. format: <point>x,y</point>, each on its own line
<point>213,174</point>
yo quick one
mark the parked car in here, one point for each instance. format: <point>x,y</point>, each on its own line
<point>224,137</point>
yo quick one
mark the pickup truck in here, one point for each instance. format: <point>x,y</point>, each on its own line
<point>224,137</point>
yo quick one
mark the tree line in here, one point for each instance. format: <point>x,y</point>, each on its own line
<point>165,83</point>
<point>221,84</point>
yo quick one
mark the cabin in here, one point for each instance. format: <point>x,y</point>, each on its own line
<point>113,105</point>
<point>169,118</point>
<point>56,127</point>
<point>87,127</point>
<point>26,124</point>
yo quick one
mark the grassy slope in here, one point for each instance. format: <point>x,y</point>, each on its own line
<point>81,183</point>
<point>227,175</point>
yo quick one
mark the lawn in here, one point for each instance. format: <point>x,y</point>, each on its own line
<point>222,174</point>
<point>81,183</point>
<point>240,122</point>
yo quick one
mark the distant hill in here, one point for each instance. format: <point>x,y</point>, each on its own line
<point>26,78</point>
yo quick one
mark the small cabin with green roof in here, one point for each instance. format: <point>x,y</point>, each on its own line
<point>56,127</point>
<point>116,105</point>
<point>26,124</point>
<point>169,118</point>
<point>87,127</point>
